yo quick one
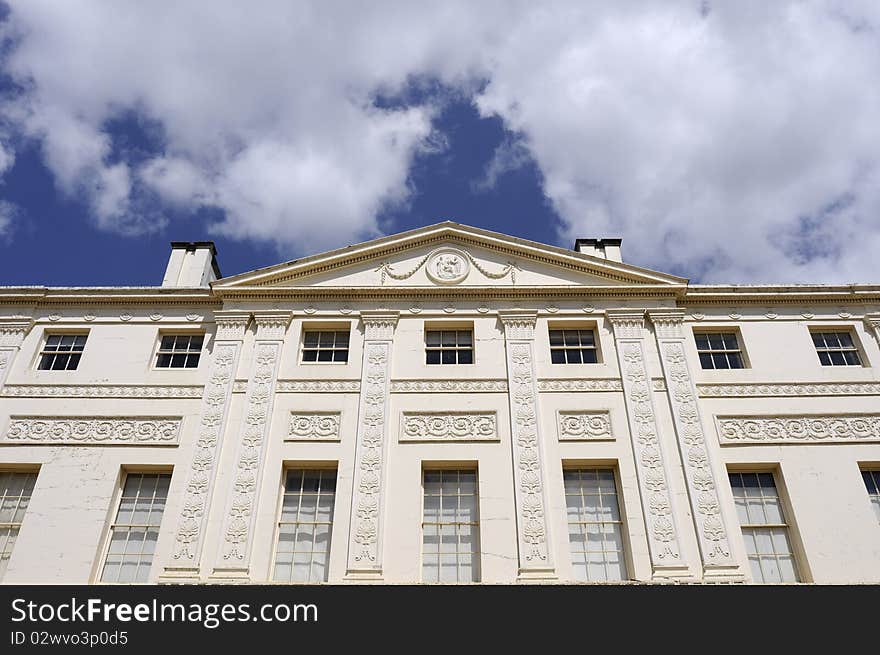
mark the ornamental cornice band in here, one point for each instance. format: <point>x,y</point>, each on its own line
<point>448,386</point>
<point>579,384</point>
<point>789,389</point>
<point>313,426</point>
<point>102,391</point>
<point>787,429</point>
<point>448,426</point>
<point>318,386</point>
<point>101,430</point>
<point>584,426</point>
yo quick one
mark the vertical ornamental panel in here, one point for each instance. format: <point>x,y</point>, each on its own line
<point>12,333</point>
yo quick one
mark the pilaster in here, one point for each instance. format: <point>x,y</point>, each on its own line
<point>185,564</point>
<point>651,467</point>
<point>237,532</point>
<point>367,506</point>
<point>533,538</point>
<point>12,333</point>
<point>711,530</point>
<point>872,322</point>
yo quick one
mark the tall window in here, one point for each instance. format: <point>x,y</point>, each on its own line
<point>718,350</point>
<point>836,349</point>
<point>62,352</point>
<point>135,531</point>
<point>573,347</point>
<point>179,351</point>
<point>872,483</point>
<point>449,347</point>
<point>15,494</point>
<point>450,526</point>
<point>764,527</point>
<point>325,346</point>
<point>305,527</point>
<point>594,524</point>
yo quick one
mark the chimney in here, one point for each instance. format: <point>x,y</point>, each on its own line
<point>602,248</point>
<point>192,264</point>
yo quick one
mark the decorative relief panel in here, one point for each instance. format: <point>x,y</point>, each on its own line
<point>448,386</point>
<point>856,428</point>
<point>12,332</point>
<point>313,426</point>
<point>102,430</point>
<point>102,391</point>
<point>579,384</point>
<point>448,266</point>
<point>448,426</point>
<point>789,389</point>
<point>318,386</point>
<point>584,426</point>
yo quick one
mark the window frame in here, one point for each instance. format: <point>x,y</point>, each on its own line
<point>19,470</point>
<point>113,513</point>
<point>346,327</point>
<point>853,334</point>
<point>874,469</point>
<point>571,326</point>
<point>157,349</point>
<point>452,326</point>
<point>62,332</point>
<point>721,329</point>
<point>448,467</point>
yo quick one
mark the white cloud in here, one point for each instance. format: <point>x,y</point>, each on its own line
<point>8,215</point>
<point>738,142</point>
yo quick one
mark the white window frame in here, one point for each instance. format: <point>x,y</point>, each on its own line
<point>873,496</point>
<point>740,349</point>
<point>17,525</point>
<point>319,329</point>
<point>839,329</point>
<point>60,332</point>
<point>178,333</point>
<point>477,555</point>
<point>451,327</point>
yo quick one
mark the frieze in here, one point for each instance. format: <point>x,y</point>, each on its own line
<point>584,426</point>
<point>579,384</point>
<point>448,386</point>
<point>313,426</point>
<point>102,391</point>
<point>103,430</point>
<point>785,429</point>
<point>449,426</point>
<point>318,386</point>
<point>789,389</point>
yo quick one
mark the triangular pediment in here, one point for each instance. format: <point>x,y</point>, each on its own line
<point>449,255</point>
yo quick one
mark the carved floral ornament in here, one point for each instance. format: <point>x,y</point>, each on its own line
<point>585,426</point>
<point>448,266</point>
<point>449,426</point>
<point>103,430</point>
<point>313,426</point>
<point>798,429</point>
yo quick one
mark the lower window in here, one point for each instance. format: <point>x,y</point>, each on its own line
<point>764,528</point>
<point>16,489</point>
<point>305,527</point>
<point>594,525</point>
<point>135,531</point>
<point>450,526</point>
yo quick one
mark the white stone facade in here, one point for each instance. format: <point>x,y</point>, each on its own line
<point>226,431</point>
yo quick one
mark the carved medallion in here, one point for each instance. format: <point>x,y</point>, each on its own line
<point>447,266</point>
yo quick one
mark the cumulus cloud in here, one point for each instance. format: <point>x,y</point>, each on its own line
<point>723,141</point>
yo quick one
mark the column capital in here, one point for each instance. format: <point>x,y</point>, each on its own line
<point>627,323</point>
<point>13,330</point>
<point>873,321</point>
<point>518,326</point>
<point>271,325</point>
<point>379,326</point>
<point>231,324</point>
<point>667,323</point>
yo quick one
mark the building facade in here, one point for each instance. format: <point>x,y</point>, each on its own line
<point>443,405</point>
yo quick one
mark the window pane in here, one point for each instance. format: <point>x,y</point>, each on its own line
<point>465,338</point>
<point>310,340</point>
<point>305,527</point>
<point>465,356</point>
<point>310,355</point>
<point>432,356</point>
<point>557,356</point>
<point>448,356</point>
<point>556,338</point>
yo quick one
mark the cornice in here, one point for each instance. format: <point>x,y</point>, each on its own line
<point>43,296</point>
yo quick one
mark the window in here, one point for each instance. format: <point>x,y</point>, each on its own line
<point>325,346</point>
<point>718,350</point>
<point>872,483</point>
<point>179,351</point>
<point>449,347</point>
<point>15,494</point>
<point>303,552</point>
<point>594,525</point>
<point>836,349</point>
<point>62,352</point>
<point>573,347</point>
<point>450,526</point>
<point>764,529</point>
<point>134,533</point>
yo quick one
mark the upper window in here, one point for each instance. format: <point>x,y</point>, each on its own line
<point>180,351</point>
<point>325,346</point>
<point>872,484</point>
<point>573,347</point>
<point>836,349</point>
<point>449,347</point>
<point>62,352</point>
<point>15,494</point>
<point>718,350</point>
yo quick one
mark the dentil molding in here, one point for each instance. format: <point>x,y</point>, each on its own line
<point>102,430</point>
<point>828,428</point>
<point>449,426</point>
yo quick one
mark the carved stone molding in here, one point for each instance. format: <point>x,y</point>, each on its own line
<point>102,391</point>
<point>318,386</point>
<point>448,386</point>
<point>449,426</point>
<point>518,326</point>
<point>446,266</point>
<point>100,430</point>
<point>271,326</point>
<point>872,321</point>
<point>663,540</point>
<point>668,324</point>
<point>712,535</point>
<point>231,325</point>
<point>535,555</point>
<point>313,426</point>
<point>584,426</point>
<point>787,429</point>
<point>200,477</point>
<point>13,331</point>
<point>771,389</point>
<point>579,384</point>
<point>379,326</point>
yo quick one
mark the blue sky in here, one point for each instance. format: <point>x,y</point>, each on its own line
<point>724,142</point>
